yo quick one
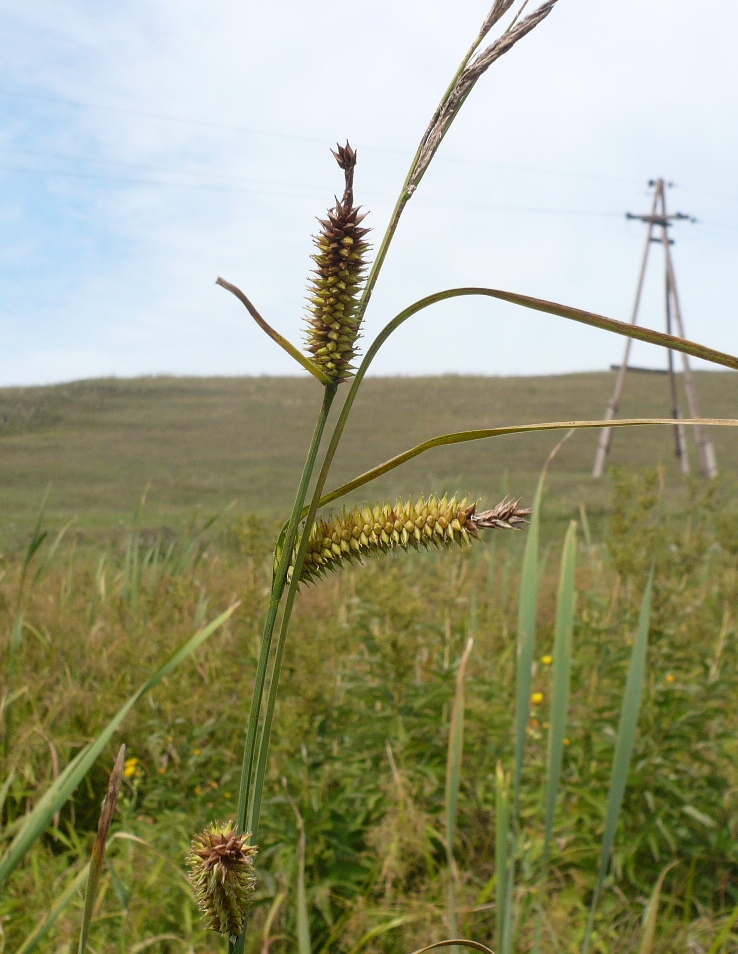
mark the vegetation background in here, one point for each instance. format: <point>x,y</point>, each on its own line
<point>362,728</point>
<point>208,442</point>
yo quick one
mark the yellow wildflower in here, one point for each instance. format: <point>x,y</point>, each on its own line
<point>131,768</point>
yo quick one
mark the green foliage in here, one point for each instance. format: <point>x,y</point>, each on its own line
<point>204,442</point>
<point>360,746</point>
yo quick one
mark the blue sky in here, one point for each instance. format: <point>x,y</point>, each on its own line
<point>146,149</point>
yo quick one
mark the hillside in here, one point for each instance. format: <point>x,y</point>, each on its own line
<point>201,443</point>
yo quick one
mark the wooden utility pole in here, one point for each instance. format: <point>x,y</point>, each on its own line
<point>659,221</point>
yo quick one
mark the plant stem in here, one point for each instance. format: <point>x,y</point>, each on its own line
<point>252,811</point>
<point>246,793</point>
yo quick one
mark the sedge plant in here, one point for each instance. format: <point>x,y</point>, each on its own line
<point>340,291</point>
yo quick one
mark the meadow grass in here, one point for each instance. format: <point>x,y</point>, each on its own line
<point>206,442</point>
<point>361,740</point>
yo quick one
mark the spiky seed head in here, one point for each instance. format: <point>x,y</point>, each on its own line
<point>507,515</point>
<point>370,531</point>
<point>335,285</point>
<point>221,874</point>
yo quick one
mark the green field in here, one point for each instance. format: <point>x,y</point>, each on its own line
<point>202,443</point>
<point>363,739</point>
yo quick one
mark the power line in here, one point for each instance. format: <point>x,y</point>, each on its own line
<point>59,174</point>
<point>68,157</point>
<point>159,117</point>
<point>298,192</point>
<point>180,120</point>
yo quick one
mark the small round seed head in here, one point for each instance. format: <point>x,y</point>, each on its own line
<point>335,285</point>
<point>221,874</point>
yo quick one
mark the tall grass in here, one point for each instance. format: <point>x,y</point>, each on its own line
<point>337,807</point>
<point>374,659</point>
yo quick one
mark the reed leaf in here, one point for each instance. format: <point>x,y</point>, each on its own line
<point>453,779</point>
<point>502,849</point>
<point>54,913</point>
<point>537,304</point>
<point>526,639</point>
<point>527,613</point>
<point>624,746</point>
<point>57,794</point>
<point>463,437</point>
<point>559,708</point>
<point>304,945</point>
<point>456,748</point>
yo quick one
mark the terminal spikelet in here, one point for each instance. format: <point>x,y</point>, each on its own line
<point>333,322</point>
<point>369,531</point>
<point>221,874</point>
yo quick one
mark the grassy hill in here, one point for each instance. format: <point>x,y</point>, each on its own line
<point>203,442</point>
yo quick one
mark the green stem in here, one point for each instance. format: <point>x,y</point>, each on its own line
<point>261,765</point>
<point>287,549</point>
<point>280,577</point>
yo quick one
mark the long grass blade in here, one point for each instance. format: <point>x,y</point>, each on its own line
<point>453,779</point>
<point>559,708</point>
<point>58,793</point>
<point>37,535</point>
<point>527,613</point>
<point>48,556</point>
<point>266,933</point>
<point>462,437</point>
<point>380,929</point>
<point>5,788</point>
<point>526,640</point>
<point>651,916</point>
<point>502,849</point>
<point>57,909</point>
<point>303,918</point>
<point>624,745</point>
<point>456,942</point>
<point>456,748</point>
<point>599,321</point>
<point>717,946</point>
<point>561,678</point>
<point>67,896</point>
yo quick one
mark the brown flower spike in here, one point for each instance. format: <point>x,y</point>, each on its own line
<point>368,531</point>
<point>221,874</point>
<point>333,322</point>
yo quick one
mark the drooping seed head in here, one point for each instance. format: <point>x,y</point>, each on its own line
<point>221,874</point>
<point>370,531</point>
<point>335,285</point>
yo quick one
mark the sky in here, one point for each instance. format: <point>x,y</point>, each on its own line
<point>146,149</point>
